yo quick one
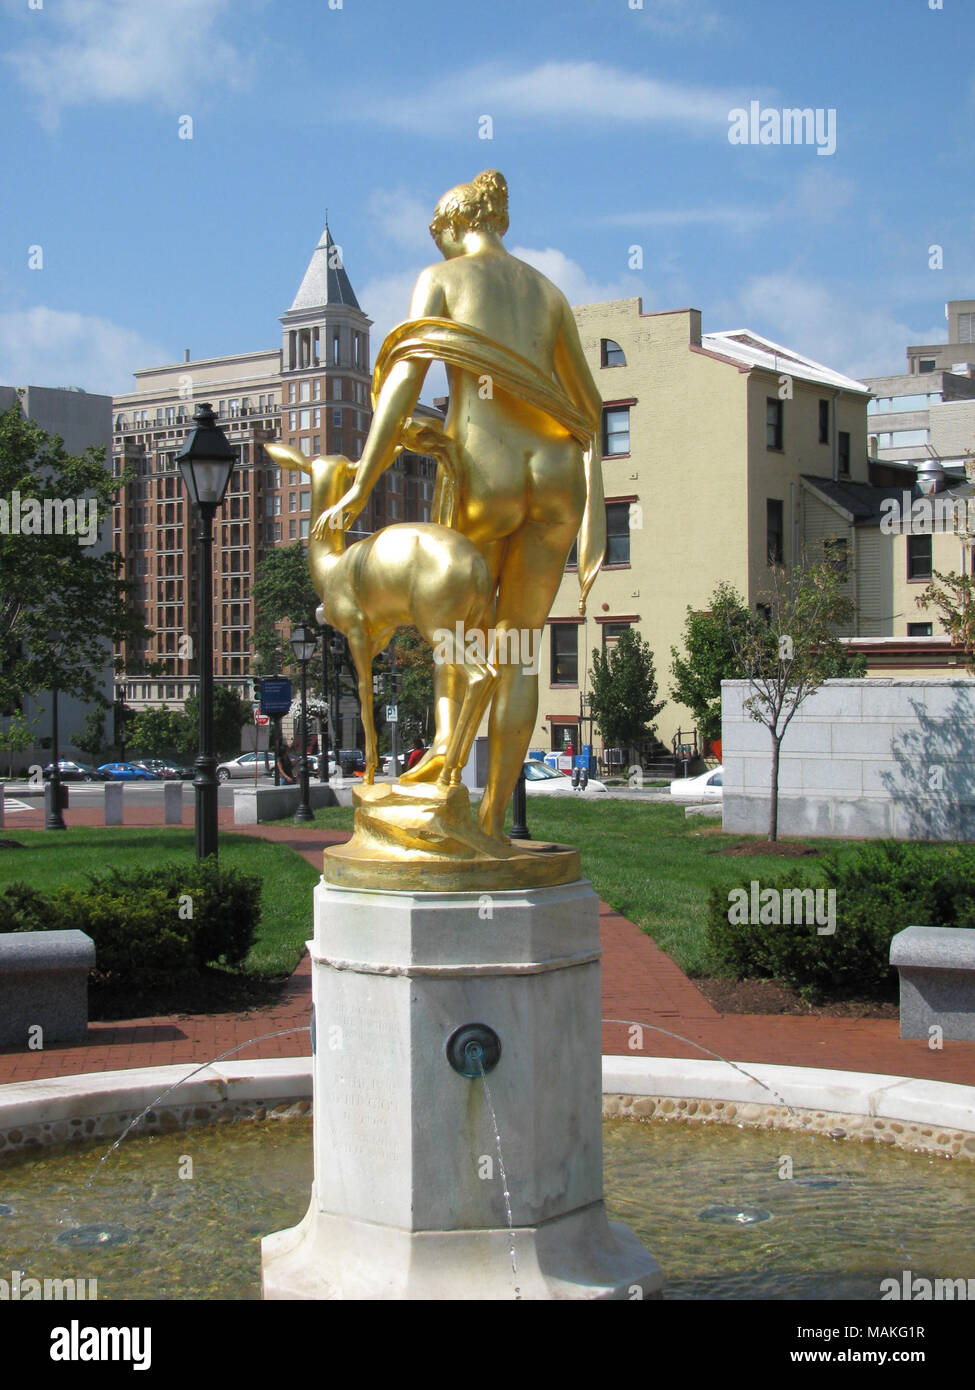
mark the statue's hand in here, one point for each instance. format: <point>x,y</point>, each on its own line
<point>340,517</point>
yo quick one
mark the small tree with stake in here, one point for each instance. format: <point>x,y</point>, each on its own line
<point>624,691</point>
<point>790,652</point>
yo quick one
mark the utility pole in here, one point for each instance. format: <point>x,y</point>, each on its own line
<point>392,700</point>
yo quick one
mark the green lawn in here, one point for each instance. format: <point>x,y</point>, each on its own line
<point>648,861</point>
<point>50,858</point>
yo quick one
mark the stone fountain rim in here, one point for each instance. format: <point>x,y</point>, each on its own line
<point>907,1111</point>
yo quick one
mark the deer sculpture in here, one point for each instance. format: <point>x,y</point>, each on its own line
<point>418,574</point>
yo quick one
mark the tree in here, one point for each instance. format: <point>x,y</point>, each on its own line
<point>61,605</point>
<point>953,597</point>
<point>624,691</point>
<point>792,651</point>
<point>161,733</point>
<point>229,713</point>
<point>283,592</point>
<point>414,673</point>
<point>17,737</point>
<point>710,659</point>
<point>91,738</point>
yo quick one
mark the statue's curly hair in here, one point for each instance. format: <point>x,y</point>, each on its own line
<point>481,205</point>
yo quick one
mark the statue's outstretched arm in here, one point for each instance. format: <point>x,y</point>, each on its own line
<point>395,405</point>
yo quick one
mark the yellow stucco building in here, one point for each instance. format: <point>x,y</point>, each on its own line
<point>705,441</point>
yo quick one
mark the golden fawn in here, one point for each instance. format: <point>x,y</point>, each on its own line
<point>411,574</point>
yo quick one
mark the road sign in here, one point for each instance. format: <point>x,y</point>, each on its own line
<point>275,697</point>
<point>261,719</point>
<point>392,714</point>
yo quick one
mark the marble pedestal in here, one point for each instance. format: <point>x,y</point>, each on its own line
<point>408,1198</point>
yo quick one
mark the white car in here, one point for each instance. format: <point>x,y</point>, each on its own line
<point>708,784</point>
<point>546,781</point>
<point>244,767</point>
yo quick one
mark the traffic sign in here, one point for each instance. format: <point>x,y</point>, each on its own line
<point>392,714</point>
<point>275,697</point>
<point>261,719</point>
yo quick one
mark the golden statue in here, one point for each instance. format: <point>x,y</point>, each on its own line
<point>519,480</point>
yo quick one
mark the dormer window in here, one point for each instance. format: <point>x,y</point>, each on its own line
<point>611,354</point>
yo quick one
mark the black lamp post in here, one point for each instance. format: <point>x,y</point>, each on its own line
<point>206,462</point>
<point>54,819</point>
<point>303,644</point>
<point>519,811</point>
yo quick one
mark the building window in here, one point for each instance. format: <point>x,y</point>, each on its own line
<point>773,531</point>
<point>293,419</point>
<point>292,530</point>
<point>304,391</point>
<point>824,422</point>
<point>843,451</point>
<point>316,389</point>
<point>612,632</point>
<point>337,418</point>
<point>304,419</point>
<point>292,501</point>
<point>277,530</point>
<point>565,654</point>
<point>919,557</point>
<point>335,347</point>
<point>927,364</point>
<point>837,555</point>
<point>774,416</point>
<point>291,392</point>
<point>617,533</point>
<point>305,503</point>
<point>304,528</point>
<point>919,630</point>
<point>336,388</point>
<point>564,736</point>
<point>572,563</point>
<point>616,431</point>
<point>611,354</point>
<point>304,444</point>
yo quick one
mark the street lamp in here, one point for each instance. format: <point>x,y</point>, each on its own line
<point>206,462</point>
<point>303,644</point>
<point>54,819</point>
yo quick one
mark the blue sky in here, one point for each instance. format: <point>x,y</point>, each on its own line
<point>610,122</point>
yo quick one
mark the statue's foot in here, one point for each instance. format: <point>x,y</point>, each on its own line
<point>428,769</point>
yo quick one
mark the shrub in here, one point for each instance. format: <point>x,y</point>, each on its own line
<point>880,890</point>
<point>150,926</point>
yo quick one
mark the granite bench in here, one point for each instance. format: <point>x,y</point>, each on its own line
<point>44,981</point>
<point>937,980</point>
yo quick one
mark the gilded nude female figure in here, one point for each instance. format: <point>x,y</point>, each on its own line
<point>522,428</point>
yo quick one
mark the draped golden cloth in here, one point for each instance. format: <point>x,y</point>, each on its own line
<point>460,345</point>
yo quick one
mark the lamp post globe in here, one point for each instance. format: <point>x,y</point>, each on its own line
<point>205,462</point>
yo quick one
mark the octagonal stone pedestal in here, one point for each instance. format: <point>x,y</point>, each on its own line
<point>408,1198</point>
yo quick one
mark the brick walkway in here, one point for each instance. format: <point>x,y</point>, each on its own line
<point>640,984</point>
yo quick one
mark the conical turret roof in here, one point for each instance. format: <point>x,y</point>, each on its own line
<point>325,281</point>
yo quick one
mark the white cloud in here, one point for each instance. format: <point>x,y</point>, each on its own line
<point>573,281</point>
<point>832,326</point>
<point>126,50</point>
<point>818,195</point>
<point>399,218</point>
<point>47,347</point>
<point>577,92</point>
<point>678,17</point>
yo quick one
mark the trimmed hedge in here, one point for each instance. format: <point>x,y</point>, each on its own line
<point>152,925</point>
<point>880,890</point>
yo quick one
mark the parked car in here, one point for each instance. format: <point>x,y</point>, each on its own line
<point>73,772</point>
<point>169,772</point>
<point>127,772</point>
<point>355,756</point>
<point>549,781</point>
<point>708,784</point>
<point>387,764</point>
<point>244,766</point>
